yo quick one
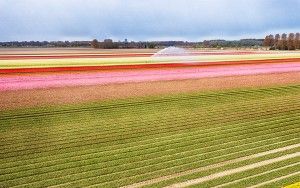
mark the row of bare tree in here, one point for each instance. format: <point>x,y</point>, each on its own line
<point>283,42</point>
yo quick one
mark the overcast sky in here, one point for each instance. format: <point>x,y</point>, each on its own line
<point>191,20</point>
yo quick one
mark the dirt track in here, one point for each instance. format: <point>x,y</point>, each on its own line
<point>234,171</point>
<point>276,179</point>
<point>81,94</point>
<point>221,174</point>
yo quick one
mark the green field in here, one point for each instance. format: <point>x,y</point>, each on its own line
<point>178,137</point>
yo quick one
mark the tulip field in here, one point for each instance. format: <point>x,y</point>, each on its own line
<point>125,119</point>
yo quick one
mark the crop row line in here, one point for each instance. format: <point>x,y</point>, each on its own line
<point>208,112</point>
<point>26,149</point>
<point>121,162</point>
<point>270,91</point>
<point>167,167</point>
<point>256,175</point>
<point>196,156</point>
<point>136,147</point>
<point>155,129</point>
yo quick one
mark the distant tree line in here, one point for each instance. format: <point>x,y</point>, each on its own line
<point>110,44</point>
<point>248,43</point>
<point>106,44</point>
<point>282,42</point>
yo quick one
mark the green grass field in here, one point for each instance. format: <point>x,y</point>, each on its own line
<point>179,137</point>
